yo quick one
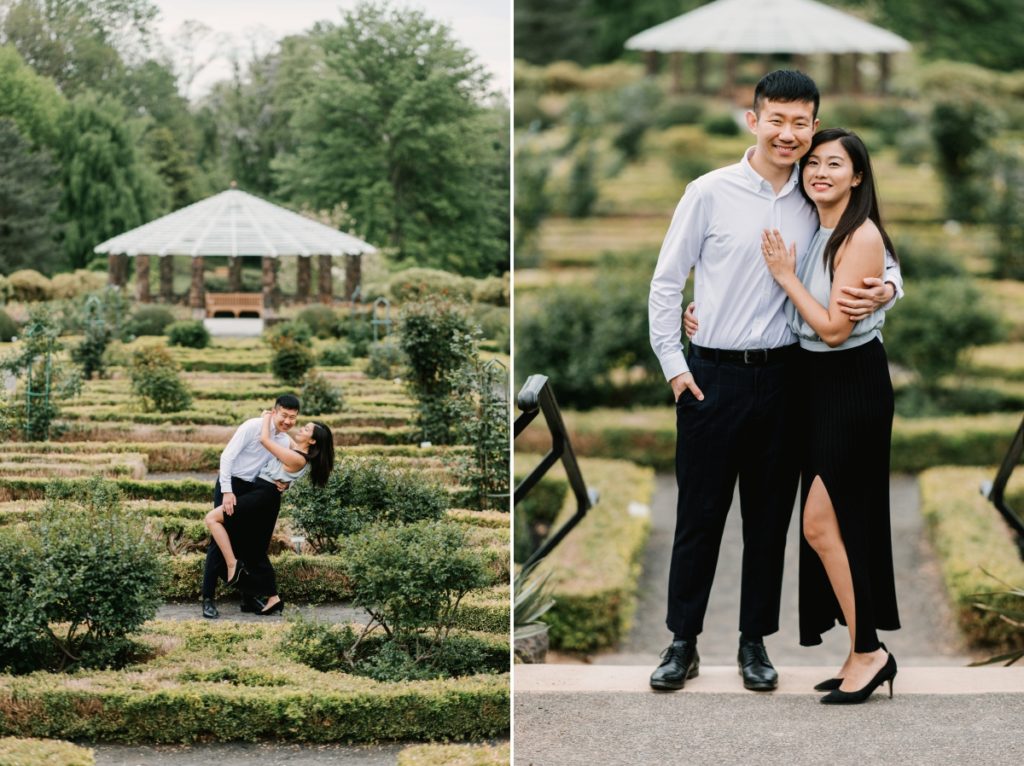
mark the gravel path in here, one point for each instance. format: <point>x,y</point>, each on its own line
<point>246,754</point>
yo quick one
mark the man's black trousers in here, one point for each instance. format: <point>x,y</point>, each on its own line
<point>215,565</point>
<point>746,427</point>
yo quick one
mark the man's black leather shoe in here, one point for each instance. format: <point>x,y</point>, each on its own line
<point>210,609</point>
<point>759,675</point>
<point>252,604</point>
<point>680,662</point>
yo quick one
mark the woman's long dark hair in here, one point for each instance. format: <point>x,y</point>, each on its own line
<point>863,202</point>
<point>320,456</point>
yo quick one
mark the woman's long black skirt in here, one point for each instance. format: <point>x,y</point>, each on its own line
<point>250,529</point>
<point>849,409</point>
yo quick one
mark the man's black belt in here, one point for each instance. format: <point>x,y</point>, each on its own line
<point>754,356</point>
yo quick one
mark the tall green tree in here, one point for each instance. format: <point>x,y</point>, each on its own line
<point>28,200</point>
<point>109,185</point>
<point>31,101</point>
<point>395,126</point>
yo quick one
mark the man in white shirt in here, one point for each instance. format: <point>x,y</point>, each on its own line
<point>240,464</point>
<point>736,393</point>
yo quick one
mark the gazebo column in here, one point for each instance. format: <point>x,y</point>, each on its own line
<point>651,63</point>
<point>700,67</point>
<point>353,273</point>
<point>167,279</point>
<point>270,297</point>
<point>116,269</point>
<point>303,278</point>
<point>196,292</point>
<point>855,83</point>
<point>326,281</point>
<point>234,274</point>
<point>884,70</point>
<point>142,278</point>
<point>800,62</point>
<point>676,59</point>
<point>837,72</point>
<point>730,73</point>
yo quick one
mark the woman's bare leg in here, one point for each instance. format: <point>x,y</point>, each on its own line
<point>821,530</point>
<point>215,523</point>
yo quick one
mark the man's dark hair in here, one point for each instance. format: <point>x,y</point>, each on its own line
<point>288,402</point>
<point>786,85</point>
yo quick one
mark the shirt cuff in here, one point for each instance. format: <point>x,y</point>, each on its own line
<point>226,487</point>
<point>674,364</point>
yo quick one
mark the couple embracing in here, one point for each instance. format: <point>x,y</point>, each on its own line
<point>259,463</point>
<point>786,379</point>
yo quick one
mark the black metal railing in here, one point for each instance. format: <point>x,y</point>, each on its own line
<point>534,398</point>
<point>995,490</point>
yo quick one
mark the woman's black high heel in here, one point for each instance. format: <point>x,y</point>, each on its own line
<point>239,569</point>
<point>275,609</point>
<point>828,685</point>
<point>839,697</point>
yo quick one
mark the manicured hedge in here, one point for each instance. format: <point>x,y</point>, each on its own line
<point>1003,360</point>
<point>648,437</point>
<point>597,566</point>
<point>969,534</point>
<point>49,752</point>
<point>128,431</point>
<point>226,682</point>
<point>184,489</point>
<point>456,755</point>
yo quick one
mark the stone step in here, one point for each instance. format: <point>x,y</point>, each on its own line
<point>230,611</point>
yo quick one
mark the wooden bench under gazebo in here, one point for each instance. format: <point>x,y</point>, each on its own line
<point>236,225</point>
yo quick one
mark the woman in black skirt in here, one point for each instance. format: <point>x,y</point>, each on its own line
<point>846,570</point>
<point>244,534</point>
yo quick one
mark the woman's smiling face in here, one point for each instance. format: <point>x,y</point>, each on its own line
<point>828,174</point>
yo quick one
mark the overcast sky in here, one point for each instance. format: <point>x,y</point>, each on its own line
<point>484,26</point>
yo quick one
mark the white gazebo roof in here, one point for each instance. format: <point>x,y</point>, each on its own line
<point>234,223</point>
<point>767,26</point>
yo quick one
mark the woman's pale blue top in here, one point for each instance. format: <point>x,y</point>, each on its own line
<point>274,471</point>
<point>813,273</point>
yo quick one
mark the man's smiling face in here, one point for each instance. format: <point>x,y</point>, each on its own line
<point>784,130</point>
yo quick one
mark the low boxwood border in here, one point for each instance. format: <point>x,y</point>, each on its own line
<point>970,535</point>
<point>648,437</point>
<point>456,755</point>
<point>260,694</point>
<point>597,566</point>
<point>15,751</point>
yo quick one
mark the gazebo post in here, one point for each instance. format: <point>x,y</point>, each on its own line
<point>730,73</point>
<point>269,285</point>
<point>326,281</point>
<point>234,274</point>
<point>167,278</point>
<point>884,69</point>
<point>196,293</point>
<point>800,62</point>
<point>700,65</point>
<point>117,267</point>
<point>651,63</point>
<point>303,278</point>
<point>837,72</point>
<point>353,273</point>
<point>676,59</point>
<point>142,278</point>
<point>855,83</point>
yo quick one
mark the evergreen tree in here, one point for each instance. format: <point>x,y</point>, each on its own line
<point>28,200</point>
<point>31,101</point>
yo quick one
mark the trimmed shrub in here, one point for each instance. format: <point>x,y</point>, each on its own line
<point>285,333</point>
<point>360,492</point>
<point>191,333</point>
<point>291,360</point>
<point>43,752</point>
<point>337,354</point>
<point>494,291</point>
<point>494,322</point>
<point>482,414</point>
<point>6,291</point>
<point>28,285</point>
<point>680,110</point>
<point>80,282</point>
<point>582,192</point>
<point>150,320</point>
<point>90,353</point>
<point>155,381</point>
<point>321,320</point>
<point>417,284</point>
<point>721,125</point>
<point>386,360</point>
<point>319,397</point>
<point>8,327</point>
<point>456,755</point>
<point>358,331</point>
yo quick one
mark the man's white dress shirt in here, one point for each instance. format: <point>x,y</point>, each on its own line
<point>245,455</point>
<point>716,230</point>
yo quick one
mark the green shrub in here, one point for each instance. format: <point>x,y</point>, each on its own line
<point>358,331</point>
<point>191,333</point>
<point>337,354</point>
<point>582,192</point>
<point>961,130</point>
<point>680,110</point>
<point>386,360</point>
<point>6,291</point>
<point>362,491</point>
<point>437,340</point>
<point>154,375</point>
<point>150,320</point>
<point>412,578</point>
<point>90,353</point>
<point>321,320</point>
<point>28,285</point>
<point>721,125</point>
<point>78,283</point>
<point>494,291</point>
<point>482,414</point>
<point>8,327</point>
<point>291,360</point>
<point>43,752</point>
<point>417,284</point>
<point>319,397</point>
<point>286,333</point>
<point>919,263</point>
